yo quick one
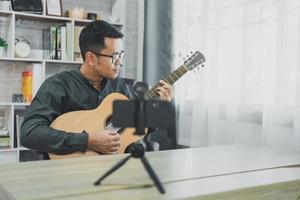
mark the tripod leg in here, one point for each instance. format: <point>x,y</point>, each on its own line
<point>152,175</point>
<point>110,171</point>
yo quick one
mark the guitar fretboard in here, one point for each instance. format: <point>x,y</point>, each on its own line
<point>171,79</point>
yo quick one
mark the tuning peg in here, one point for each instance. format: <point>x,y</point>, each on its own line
<point>191,52</point>
<point>202,65</point>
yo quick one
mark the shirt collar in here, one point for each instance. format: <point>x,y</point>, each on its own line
<point>104,82</point>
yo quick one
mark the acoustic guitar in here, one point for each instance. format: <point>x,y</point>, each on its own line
<point>100,118</point>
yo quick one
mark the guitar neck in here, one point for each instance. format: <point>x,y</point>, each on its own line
<point>171,79</point>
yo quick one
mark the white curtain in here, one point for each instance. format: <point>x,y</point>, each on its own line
<point>249,90</point>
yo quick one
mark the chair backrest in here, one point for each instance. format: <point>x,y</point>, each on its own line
<point>138,88</point>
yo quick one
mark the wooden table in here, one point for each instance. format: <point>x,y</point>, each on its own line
<point>242,172</point>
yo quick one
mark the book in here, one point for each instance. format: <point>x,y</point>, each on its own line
<point>4,131</point>
<point>63,42</point>
<point>69,41</point>
<point>49,43</point>
<point>52,42</point>
<point>58,44</point>
<point>4,141</point>
<point>46,43</point>
<point>77,54</point>
<point>19,118</point>
<point>36,77</point>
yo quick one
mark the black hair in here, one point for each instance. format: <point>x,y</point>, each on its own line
<point>92,36</point>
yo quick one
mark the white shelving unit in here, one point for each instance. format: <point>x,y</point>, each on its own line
<point>10,155</point>
<point>12,67</point>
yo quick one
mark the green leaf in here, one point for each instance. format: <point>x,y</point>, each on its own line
<point>3,43</point>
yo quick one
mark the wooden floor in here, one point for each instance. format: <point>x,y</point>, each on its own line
<point>228,172</point>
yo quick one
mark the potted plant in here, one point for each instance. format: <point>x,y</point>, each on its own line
<point>3,45</point>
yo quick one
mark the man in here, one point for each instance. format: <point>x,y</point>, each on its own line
<point>83,89</point>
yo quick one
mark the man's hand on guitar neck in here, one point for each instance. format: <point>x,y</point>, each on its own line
<point>165,91</point>
<point>107,142</point>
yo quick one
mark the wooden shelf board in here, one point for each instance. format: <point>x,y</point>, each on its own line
<point>21,59</point>
<point>21,104</point>
<point>15,104</point>
<point>117,24</point>
<point>5,13</point>
<point>22,148</point>
<point>39,60</point>
<point>36,17</point>
<point>82,22</point>
<point>9,149</point>
<point>63,61</point>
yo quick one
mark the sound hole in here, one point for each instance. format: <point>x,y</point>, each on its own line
<point>129,148</point>
<point>108,125</point>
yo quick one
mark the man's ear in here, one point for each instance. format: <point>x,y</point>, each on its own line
<point>90,58</point>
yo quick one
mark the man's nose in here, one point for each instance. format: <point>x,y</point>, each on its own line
<point>118,62</point>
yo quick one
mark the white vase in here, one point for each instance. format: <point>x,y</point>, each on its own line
<point>1,51</point>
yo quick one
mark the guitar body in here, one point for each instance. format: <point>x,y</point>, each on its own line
<point>93,121</point>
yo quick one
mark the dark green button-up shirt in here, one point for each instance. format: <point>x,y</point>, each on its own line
<point>64,92</point>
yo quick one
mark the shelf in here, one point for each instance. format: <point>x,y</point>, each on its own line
<point>63,62</point>
<point>117,24</point>
<point>33,60</point>
<point>44,18</point>
<point>13,104</point>
<point>21,59</point>
<point>5,13</point>
<point>33,27</point>
<point>82,22</point>
<point>36,17</point>
<point>21,104</point>
<point>22,148</point>
<point>9,149</point>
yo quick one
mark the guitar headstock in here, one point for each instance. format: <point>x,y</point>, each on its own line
<point>194,60</point>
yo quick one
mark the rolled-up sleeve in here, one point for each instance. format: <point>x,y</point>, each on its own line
<point>36,132</point>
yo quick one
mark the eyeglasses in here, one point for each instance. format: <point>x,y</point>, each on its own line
<point>114,58</point>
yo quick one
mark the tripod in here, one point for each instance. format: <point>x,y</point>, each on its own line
<point>137,150</point>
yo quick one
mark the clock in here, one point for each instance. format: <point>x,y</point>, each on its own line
<point>22,48</point>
